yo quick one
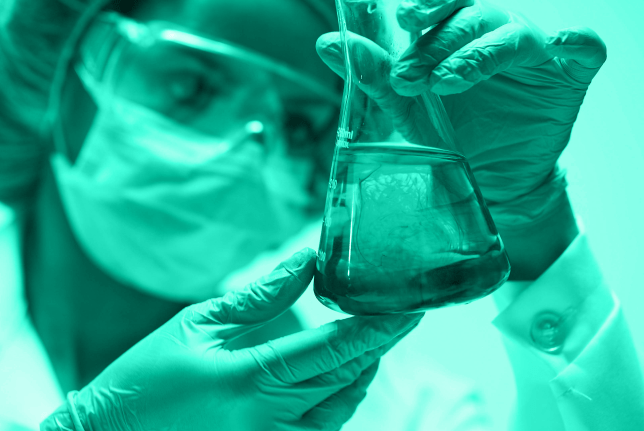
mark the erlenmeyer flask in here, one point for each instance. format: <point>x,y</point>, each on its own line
<point>405,225</point>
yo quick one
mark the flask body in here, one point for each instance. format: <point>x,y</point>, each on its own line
<point>405,226</point>
<point>405,229</point>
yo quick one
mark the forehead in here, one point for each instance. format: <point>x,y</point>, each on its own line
<point>285,30</point>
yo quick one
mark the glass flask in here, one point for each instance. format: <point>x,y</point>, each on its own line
<point>405,226</point>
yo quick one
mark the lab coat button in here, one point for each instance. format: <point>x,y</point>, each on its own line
<point>547,332</point>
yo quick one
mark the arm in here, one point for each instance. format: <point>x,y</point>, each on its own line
<point>533,249</point>
<point>572,354</point>
<point>513,94</point>
<point>28,389</point>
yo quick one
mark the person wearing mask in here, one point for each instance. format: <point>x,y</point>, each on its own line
<point>512,94</point>
<point>206,138</point>
<point>227,135</point>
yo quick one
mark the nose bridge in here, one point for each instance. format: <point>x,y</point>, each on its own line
<point>263,99</point>
<point>264,115</point>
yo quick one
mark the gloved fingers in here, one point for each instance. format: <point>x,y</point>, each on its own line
<point>373,64</point>
<point>511,45</point>
<point>583,51</point>
<point>411,74</point>
<point>337,409</point>
<point>329,48</point>
<point>307,354</point>
<point>241,311</point>
<point>417,15</point>
<point>370,62</point>
<point>320,387</point>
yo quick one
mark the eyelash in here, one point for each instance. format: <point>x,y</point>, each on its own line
<point>201,95</point>
<point>195,90</point>
<point>293,125</point>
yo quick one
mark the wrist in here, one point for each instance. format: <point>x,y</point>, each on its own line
<point>533,248</point>
<point>532,207</point>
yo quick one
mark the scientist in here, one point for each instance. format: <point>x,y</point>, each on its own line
<point>227,137</point>
<point>513,95</point>
<point>183,148</point>
<point>207,156</point>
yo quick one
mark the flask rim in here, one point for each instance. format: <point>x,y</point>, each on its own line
<point>407,147</point>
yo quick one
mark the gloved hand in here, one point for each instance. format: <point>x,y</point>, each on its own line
<point>182,377</point>
<point>511,92</point>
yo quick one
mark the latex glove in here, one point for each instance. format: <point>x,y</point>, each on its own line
<point>182,377</point>
<point>511,92</point>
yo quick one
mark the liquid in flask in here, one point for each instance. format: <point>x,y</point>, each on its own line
<point>405,229</point>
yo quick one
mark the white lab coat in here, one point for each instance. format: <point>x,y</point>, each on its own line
<point>450,374</point>
<point>28,389</point>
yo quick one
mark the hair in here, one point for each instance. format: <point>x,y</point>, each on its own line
<point>37,40</point>
<point>31,36</point>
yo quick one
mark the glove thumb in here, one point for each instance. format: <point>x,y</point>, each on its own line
<point>239,312</point>
<point>582,51</point>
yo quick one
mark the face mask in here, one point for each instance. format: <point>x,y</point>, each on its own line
<point>167,210</point>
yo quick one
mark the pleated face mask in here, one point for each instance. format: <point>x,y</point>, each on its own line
<point>169,203</point>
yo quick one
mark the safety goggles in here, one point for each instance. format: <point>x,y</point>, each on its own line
<point>210,85</point>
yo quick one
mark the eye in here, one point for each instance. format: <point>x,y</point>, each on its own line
<point>190,95</point>
<point>301,134</point>
<point>184,87</point>
<point>188,88</point>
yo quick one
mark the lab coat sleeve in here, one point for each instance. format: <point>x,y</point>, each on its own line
<point>573,357</point>
<point>28,388</point>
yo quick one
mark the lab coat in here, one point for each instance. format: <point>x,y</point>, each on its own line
<point>564,338</point>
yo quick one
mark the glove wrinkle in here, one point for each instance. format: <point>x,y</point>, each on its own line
<point>415,16</point>
<point>201,385</point>
<point>271,361</point>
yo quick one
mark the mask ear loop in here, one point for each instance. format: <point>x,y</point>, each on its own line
<point>51,124</point>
